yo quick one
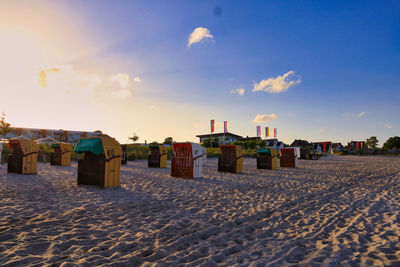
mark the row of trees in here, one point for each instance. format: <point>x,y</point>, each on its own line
<point>391,143</point>
<point>167,141</point>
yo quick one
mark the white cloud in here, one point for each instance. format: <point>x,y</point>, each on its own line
<point>264,118</point>
<point>108,88</point>
<point>73,83</point>
<point>388,126</point>
<point>198,35</point>
<point>276,85</point>
<point>361,114</point>
<point>120,94</point>
<point>354,115</point>
<point>239,91</point>
<point>122,79</point>
<point>57,80</point>
<point>137,80</point>
<point>43,74</point>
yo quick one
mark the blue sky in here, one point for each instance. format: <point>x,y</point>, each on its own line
<point>344,55</point>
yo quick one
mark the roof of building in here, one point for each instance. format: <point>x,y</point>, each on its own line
<point>251,138</point>
<point>220,134</point>
<point>271,142</point>
<point>299,142</point>
<point>54,130</point>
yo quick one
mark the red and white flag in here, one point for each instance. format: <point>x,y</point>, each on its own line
<point>258,131</point>
<point>266,131</point>
<point>275,132</point>
<point>212,125</point>
<point>225,126</point>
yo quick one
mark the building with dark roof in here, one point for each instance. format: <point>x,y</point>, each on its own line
<point>227,138</point>
<point>300,143</point>
<point>356,145</point>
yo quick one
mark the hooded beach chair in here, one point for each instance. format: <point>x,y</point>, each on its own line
<point>231,159</point>
<point>23,159</point>
<point>187,160</point>
<point>267,158</point>
<point>288,157</point>
<point>124,155</point>
<point>101,165</point>
<point>157,156</point>
<point>61,155</point>
<point>305,153</point>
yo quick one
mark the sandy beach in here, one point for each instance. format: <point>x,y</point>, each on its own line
<point>335,211</point>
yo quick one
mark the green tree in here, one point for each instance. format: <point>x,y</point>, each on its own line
<point>206,142</point>
<point>134,138</point>
<point>372,142</point>
<point>392,143</point>
<point>262,143</point>
<point>252,144</point>
<point>168,141</point>
<point>5,127</point>
<point>215,142</point>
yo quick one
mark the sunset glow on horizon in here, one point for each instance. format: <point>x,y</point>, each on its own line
<point>166,69</point>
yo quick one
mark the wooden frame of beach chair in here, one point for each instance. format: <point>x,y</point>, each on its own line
<point>267,158</point>
<point>23,159</point>
<point>61,155</point>
<point>288,157</point>
<point>157,156</point>
<point>187,160</point>
<point>231,159</point>
<point>203,151</point>
<point>101,165</point>
<point>123,155</point>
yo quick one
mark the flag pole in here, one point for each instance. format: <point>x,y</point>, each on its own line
<point>224,136</point>
<point>211,138</point>
<point>225,128</point>
<point>211,131</point>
